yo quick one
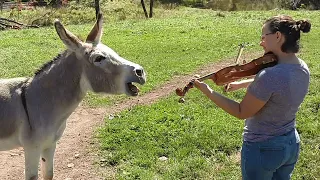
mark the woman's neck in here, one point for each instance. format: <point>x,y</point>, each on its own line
<point>288,58</point>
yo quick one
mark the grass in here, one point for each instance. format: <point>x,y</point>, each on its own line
<point>199,139</point>
<point>194,140</point>
<point>188,39</point>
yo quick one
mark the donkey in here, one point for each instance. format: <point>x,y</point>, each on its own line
<point>34,111</point>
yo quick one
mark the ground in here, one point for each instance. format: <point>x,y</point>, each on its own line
<point>76,156</point>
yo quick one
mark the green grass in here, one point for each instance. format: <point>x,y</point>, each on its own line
<point>194,140</point>
<point>199,140</point>
<point>183,42</point>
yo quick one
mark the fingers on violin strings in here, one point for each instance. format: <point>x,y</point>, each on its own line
<point>226,88</point>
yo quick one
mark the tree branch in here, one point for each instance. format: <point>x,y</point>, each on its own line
<point>8,23</point>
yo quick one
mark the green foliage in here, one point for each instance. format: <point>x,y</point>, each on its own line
<point>242,5</point>
<point>170,1</point>
<point>309,4</point>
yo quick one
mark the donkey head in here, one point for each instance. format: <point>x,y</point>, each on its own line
<point>104,70</point>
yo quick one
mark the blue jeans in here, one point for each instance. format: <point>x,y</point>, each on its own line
<point>273,159</point>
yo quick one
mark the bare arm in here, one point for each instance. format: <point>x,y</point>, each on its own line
<point>238,85</point>
<point>248,107</point>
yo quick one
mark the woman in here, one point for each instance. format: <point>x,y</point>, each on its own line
<point>271,143</point>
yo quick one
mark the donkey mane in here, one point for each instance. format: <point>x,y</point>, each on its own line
<point>48,64</point>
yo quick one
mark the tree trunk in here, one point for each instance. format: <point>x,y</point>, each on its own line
<point>144,8</point>
<point>1,5</point>
<point>151,9</point>
<point>97,7</point>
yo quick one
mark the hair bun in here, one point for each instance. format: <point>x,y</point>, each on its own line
<point>304,25</point>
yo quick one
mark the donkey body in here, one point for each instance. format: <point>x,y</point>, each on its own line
<point>33,111</point>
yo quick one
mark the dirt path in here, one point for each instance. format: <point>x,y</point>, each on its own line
<point>75,156</point>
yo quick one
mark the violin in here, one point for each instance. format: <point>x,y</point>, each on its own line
<point>234,72</point>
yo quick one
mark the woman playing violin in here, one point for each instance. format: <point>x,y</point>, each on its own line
<point>271,143</point>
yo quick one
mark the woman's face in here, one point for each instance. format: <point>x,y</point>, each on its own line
<point>270,42</point>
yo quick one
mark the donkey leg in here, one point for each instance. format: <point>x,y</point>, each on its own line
<point>32,156</point>
<point>47,162</point>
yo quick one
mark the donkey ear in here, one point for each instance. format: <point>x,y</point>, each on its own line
<point>96,31</point>
<point>70,40</point>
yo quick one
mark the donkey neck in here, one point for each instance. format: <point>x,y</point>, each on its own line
<point>55,91</point>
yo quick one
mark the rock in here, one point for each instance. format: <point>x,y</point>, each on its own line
<point>103,160</point>
<point>111,116</point>
<point>163,158</point>
<point>181,100</point>
<point>70,165</point>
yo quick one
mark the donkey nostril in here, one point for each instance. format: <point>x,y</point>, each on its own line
<point>139,72</point>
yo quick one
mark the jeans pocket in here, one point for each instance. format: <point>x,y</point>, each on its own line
<point>271,158</point>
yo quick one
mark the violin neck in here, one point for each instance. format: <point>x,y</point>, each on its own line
<point>206,77</point>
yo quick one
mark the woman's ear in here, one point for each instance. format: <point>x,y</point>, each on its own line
<point>279,36</point>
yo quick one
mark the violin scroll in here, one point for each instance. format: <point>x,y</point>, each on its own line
<point>182,91</point>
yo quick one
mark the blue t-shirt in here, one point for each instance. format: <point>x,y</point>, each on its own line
<point>284,87</point>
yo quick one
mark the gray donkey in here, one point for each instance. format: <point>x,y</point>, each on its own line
<point>33,111</point>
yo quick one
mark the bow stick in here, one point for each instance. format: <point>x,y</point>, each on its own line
<point>241,47</point>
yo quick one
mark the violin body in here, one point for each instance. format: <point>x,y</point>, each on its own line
<point>235,72</point>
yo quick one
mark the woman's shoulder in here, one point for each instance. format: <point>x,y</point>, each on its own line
<point>289,67</point>
<point>266,74</point>
<point>304,65</point>
<point>269,71</point>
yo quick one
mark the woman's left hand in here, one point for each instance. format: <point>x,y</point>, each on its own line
<point>202,86</point>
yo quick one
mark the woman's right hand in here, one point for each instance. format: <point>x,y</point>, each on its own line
<point>233,86</point>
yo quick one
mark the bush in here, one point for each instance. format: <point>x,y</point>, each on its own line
<point>234,5</point>
<point>309,4</point>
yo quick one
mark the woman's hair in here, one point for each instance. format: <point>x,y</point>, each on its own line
<point>290,29</point>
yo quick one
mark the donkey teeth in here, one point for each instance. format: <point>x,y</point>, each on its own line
<point>133,88</point>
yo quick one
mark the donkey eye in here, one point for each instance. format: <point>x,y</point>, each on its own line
<point>99,59</point>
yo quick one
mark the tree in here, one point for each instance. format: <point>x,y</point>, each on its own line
<point>1,4</point>
<point>145,10</point>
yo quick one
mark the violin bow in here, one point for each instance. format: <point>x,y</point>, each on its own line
<point>241,47</point>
